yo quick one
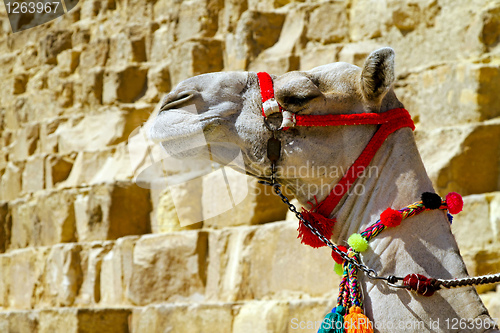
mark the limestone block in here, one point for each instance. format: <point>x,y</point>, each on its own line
<point>84,320</point>
<point>468,164</point>
<point>92,86</point>
<point>231,14</point>
<point>126,84</point>
<point>54,43</point>
<point>88,134</point>
<point>25,271</point>
<point>91,256</point>
<point>255,32</point>
<point>163,42</point>
<point>329,23</point>
<point>57,169</point>
<point>476,227</point>
<point>318,55</point>
<point>197,19</point>
<point>95,54</point>
<point>194,57</point>
<point>24,220</point>
<point>455,93</point>
<point>26,142</point>
<point>254,203</point>
<point>169,267</point>
<point>125,48</point>
<point>19,321</point>
<point>68,61</point>
<point>111,211</point>
<point>367,19</point>
<point>44,219</point>
<point>179,208</point>
<point>4,275</point>
<point>10,184</point>
<point>85,168</point>
<point>492,302</point>
<point>33,174</point>
<point>5,227</point>
<point>178,318</point>
<point>19,84</point>
<point>490,27</point>
<point>159,82</point>
<point>55,218</point>
<point>62,278</point>
<point>266,316</point>
<point>268,261</point>
<point>483,262</point>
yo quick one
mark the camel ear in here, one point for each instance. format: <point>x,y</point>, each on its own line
<point>377,75</point>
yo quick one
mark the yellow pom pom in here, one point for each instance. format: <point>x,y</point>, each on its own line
<point>338,269</point>
<point>358,243</point>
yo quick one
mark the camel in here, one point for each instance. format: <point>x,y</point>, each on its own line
<point>229,108</point>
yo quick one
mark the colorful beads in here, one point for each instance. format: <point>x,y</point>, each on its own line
<point>391,217</point>
<point>358,243</point>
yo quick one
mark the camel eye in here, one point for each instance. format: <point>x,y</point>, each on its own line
<point>296,100</point>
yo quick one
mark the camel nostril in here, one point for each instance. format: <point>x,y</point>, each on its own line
<point>176,100</point>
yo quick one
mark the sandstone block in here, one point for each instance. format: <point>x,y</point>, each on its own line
<point>4,275</point>
<point>24,220</point>
<point>468,164</point>
<point>125,48</point>
<point>241,257</point>
<point>26,142</point>
<point>247,203</point>
<point>111,211</point>
<point>95,54</point>
<point>483,262</point>
<point>163,42</point>
<point>318,55</point>
<point>54,43</point>
<point>328,23</point>
<point>159,82</point>
<point>92,87</point>
<point>490,27</point>
<point>177,318</point>
<point>172,265</point>
<point>125,84</point>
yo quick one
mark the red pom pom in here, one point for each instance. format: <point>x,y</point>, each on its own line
<point>391,217</point>
<point>322,224</point>
<point>338,259</point>
<point>454,202</point>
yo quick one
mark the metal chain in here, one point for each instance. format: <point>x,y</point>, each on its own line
<point>469,281</point>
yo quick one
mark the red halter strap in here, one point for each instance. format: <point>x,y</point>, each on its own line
<point>390,122</point>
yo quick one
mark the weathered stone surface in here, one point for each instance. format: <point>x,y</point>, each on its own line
<point>10,184</point>
<point>62,278</point>
<point>318,55</point>
<point>68,61</point>
<point>111,211</point>
<point>197,19</point>
<point>247,202</point>
<point>328,23</point>
<point>468,165</point>
<point>239,257</point>
<point>19,321</point>
<point>53,44</point>
<point>126,84</point>
<point>177,318</point>
<point>84,320</point>
<point>469,90</point>
<point>5,226</point>
<point>33,174</point>
<point>57,169</point>
<point>172,264</point>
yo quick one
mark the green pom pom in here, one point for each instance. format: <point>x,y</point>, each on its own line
<point>358,243</point>
<point>338,269</point>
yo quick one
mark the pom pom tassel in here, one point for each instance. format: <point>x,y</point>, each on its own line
<point>334,321</point>
<point>454,202</point>
<point>391,218</point>
<point>357,322</point>
<point>322,224</point>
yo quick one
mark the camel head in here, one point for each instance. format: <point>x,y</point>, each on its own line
<point>223,110</point>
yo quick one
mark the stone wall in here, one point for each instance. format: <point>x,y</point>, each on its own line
<point>84,249</point>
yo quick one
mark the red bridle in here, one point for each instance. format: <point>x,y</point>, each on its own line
<point>390,122</point>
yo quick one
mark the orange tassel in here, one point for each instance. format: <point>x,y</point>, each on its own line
<point>356,322</point>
